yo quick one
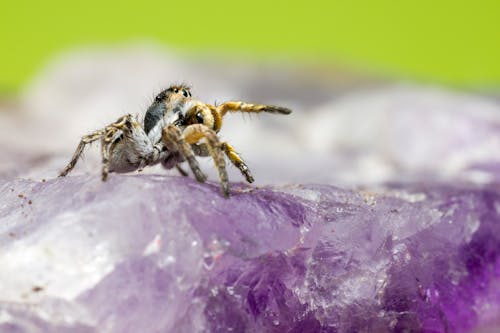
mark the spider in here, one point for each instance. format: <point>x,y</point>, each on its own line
<point>173,128</point>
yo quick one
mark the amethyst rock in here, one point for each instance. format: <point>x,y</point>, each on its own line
<point>146,253</point>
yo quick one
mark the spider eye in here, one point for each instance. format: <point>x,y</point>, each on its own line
<point>199,118</point>
<point>176,90</point>
<point>185,93</point>
<point>160,97</point>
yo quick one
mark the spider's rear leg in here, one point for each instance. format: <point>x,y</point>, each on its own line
<point>94,136</point>
<point>126,147</point>
<point>105,148</point>
<point>108,139</point>
<point>194,133</point>
<point>172,138</point>
<point>202,150</point>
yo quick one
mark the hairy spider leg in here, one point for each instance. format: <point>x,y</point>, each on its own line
<point>201,149</point>
<point>85,140</point>
<point>194,133</point>
<point>181,170</point>
<point>237,161</point>
<point>250,108</point>
<point>112,134</point>
<point>172,138</point>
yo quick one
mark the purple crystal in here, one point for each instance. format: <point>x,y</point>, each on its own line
<point>171,255</point>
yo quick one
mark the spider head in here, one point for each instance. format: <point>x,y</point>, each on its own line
<point>172,93</point>
<point>167,105</point>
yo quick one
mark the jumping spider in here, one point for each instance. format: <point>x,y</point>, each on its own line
<point>173,127</point>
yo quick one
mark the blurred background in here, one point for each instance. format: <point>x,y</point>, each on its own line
<point>381,90</point>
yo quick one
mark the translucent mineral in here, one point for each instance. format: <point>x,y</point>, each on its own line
<point>148,253</point>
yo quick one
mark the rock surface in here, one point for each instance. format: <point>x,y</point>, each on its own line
<point>149,253</point>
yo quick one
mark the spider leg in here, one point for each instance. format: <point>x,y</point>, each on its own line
<point>105,159</point>
<point>157,155</point>
<point>249,108</point>
<point>94,136</point>
<point>107,141</point>
<point>172,138</point>
<point>181,170</point>
<point>237,161</point>
<point>194,133</point>
<point>203,150</point>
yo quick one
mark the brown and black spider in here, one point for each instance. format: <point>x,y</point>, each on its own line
<point>172,132</point>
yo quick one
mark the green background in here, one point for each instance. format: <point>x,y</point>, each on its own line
<point>450,42</point>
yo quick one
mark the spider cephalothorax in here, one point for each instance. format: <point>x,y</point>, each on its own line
<point>174,126</point>
<point>172,99</point>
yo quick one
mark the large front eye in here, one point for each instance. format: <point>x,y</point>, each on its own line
<point>185,93</point>
<point>199,118</point>
<point>160,97</point>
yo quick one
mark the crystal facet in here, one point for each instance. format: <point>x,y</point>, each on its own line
<point>167,254</point>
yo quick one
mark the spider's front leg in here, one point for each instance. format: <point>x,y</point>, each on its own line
<point>194,133</point>
<point>203,150</point>
<point>181,170</point>
<point>191,135</point>
<point>237,161</point>
<point>173,140</point>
